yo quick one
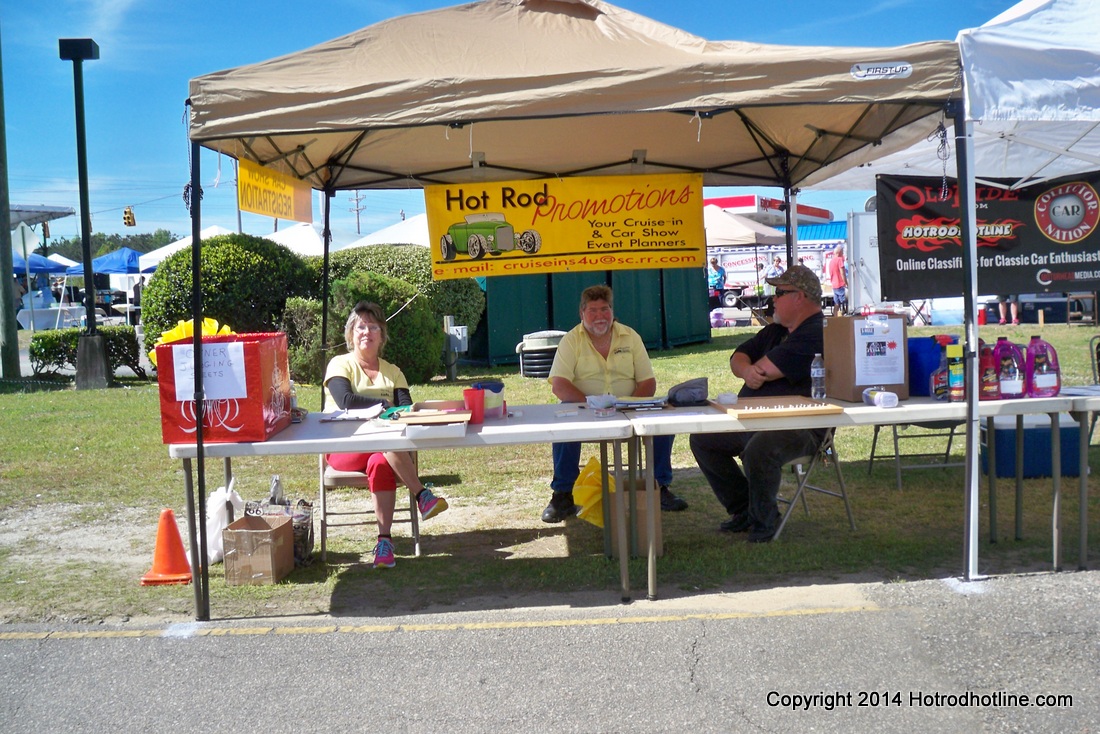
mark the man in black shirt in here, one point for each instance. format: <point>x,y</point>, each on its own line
<point>775,361</point>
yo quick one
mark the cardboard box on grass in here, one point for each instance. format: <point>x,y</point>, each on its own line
<point>593,513</point>
<point>259,549</point>
<point>246,381</point>
<point>863,352</point>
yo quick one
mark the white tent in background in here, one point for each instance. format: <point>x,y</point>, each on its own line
<point>725,229</point>
<point>1033,93</point>
<point>58,258</point>
<point>150,260</point>
<point>411,231</point>
<point>300,238</point>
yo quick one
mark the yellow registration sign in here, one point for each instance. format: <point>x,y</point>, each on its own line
<point>566,225</point>
<point>262,190</point>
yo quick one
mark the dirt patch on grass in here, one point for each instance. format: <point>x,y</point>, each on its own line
<point>54,535</point>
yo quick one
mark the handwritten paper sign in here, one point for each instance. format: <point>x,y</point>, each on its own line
<point>223,374</point>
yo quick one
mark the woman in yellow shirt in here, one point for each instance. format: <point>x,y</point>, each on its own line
<point>361,379</point>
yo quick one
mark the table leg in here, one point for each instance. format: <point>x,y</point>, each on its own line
<point>1056,476</point>
<point>1083,417</point>
<point>202,598</point>
<point>228,481</point>
<point>620,524</point>
<point>652,508</point>
<point>1020,477</point>
<point>991,475</point>
<point>605,496</point>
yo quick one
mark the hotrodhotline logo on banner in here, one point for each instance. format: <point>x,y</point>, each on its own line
<point>1037,239</point>
<point>566,225</point>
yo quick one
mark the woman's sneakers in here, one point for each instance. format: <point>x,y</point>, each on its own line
<point>383,554</point>
<point>428,504</point>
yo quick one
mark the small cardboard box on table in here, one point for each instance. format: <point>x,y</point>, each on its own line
<point>259,549</point>
<point>865,352</point>
<point>246,381</point>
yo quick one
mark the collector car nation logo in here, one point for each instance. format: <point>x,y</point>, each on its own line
<point>1068,213</point>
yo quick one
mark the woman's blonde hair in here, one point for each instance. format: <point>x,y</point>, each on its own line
<point>366,311</point>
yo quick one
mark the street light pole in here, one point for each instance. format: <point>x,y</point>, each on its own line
<point>91,358</point>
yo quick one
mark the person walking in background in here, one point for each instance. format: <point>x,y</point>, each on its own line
<point>600,356</point>
<point>775,361</point>
<point>362,379</point>
<point>716,282</point>
<point>837,270</point>
<point>1004,303</point>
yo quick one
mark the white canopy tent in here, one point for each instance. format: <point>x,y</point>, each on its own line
<point>1032,92</point>
<point>150,260</point>
<point>300,237</point>
<point>725,229</point>
<point>411,231</point>
<point>1032,101</point>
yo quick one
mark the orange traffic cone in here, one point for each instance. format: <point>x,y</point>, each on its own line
<point>169,559</point>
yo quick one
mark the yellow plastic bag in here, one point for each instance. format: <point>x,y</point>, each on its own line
<point>587,492</point>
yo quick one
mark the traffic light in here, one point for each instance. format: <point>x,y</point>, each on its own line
<point>128,217</point>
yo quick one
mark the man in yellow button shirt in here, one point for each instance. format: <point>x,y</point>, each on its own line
<point>600,356</point>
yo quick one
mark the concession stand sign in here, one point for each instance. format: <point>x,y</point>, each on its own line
<point>1036,239</point>
<point>566,225</point>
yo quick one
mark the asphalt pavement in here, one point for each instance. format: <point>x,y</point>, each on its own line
<point>1011,653</point>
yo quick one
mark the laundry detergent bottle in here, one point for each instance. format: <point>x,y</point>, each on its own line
<point>1010,368</point>
<point>1044,379</point>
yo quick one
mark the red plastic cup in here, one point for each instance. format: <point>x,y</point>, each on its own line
<point>475,403</point>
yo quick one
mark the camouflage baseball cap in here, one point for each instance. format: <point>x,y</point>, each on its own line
<point>802,278</point>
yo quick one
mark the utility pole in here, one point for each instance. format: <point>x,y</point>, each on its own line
<point>357,199</point>
<point>9,341</point>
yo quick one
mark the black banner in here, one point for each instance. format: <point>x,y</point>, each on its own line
<point>1038,239</point>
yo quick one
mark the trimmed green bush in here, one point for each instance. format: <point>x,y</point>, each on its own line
<point>302,323</point>
<point>245,280</point>
<point>53,350</point>
<point>415,338</point>
<point>461,298</point>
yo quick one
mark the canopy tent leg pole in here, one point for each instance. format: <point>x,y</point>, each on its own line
<point>964,153</point>
<point>326,236</point>
<point>201,579</point>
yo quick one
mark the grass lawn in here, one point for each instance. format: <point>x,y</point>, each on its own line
<point>84,476</point>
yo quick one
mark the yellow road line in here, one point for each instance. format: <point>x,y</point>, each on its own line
<point>197,629</point>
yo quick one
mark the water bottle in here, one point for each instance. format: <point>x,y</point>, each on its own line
<point>817,374</point>
<point>293,396</point>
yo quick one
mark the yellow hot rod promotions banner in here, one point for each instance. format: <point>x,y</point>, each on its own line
<point>566,225</point>
<point>263,190</point>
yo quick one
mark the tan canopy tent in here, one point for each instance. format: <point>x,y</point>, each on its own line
<point>513,89</point>
<point>507,89</point>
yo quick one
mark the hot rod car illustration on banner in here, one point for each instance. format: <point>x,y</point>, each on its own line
<point>486,233</point>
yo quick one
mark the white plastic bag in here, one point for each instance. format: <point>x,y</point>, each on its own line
<point>217,519</point>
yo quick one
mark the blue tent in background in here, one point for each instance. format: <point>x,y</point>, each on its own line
<point>120,262</point>
<point>38,264</point>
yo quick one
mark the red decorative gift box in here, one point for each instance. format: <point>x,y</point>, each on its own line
<point>246,383</point>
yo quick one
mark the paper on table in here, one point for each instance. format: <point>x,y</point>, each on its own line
<point>379,425</point>
<point>357,414</point>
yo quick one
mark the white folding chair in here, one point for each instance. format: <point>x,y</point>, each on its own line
<point>332,478</point>
<point>924,431</point>
<point>803,467</point>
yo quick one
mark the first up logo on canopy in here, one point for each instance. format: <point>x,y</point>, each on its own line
<point>883,70</point>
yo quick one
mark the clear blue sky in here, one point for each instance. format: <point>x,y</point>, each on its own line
<point>150,49</point>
